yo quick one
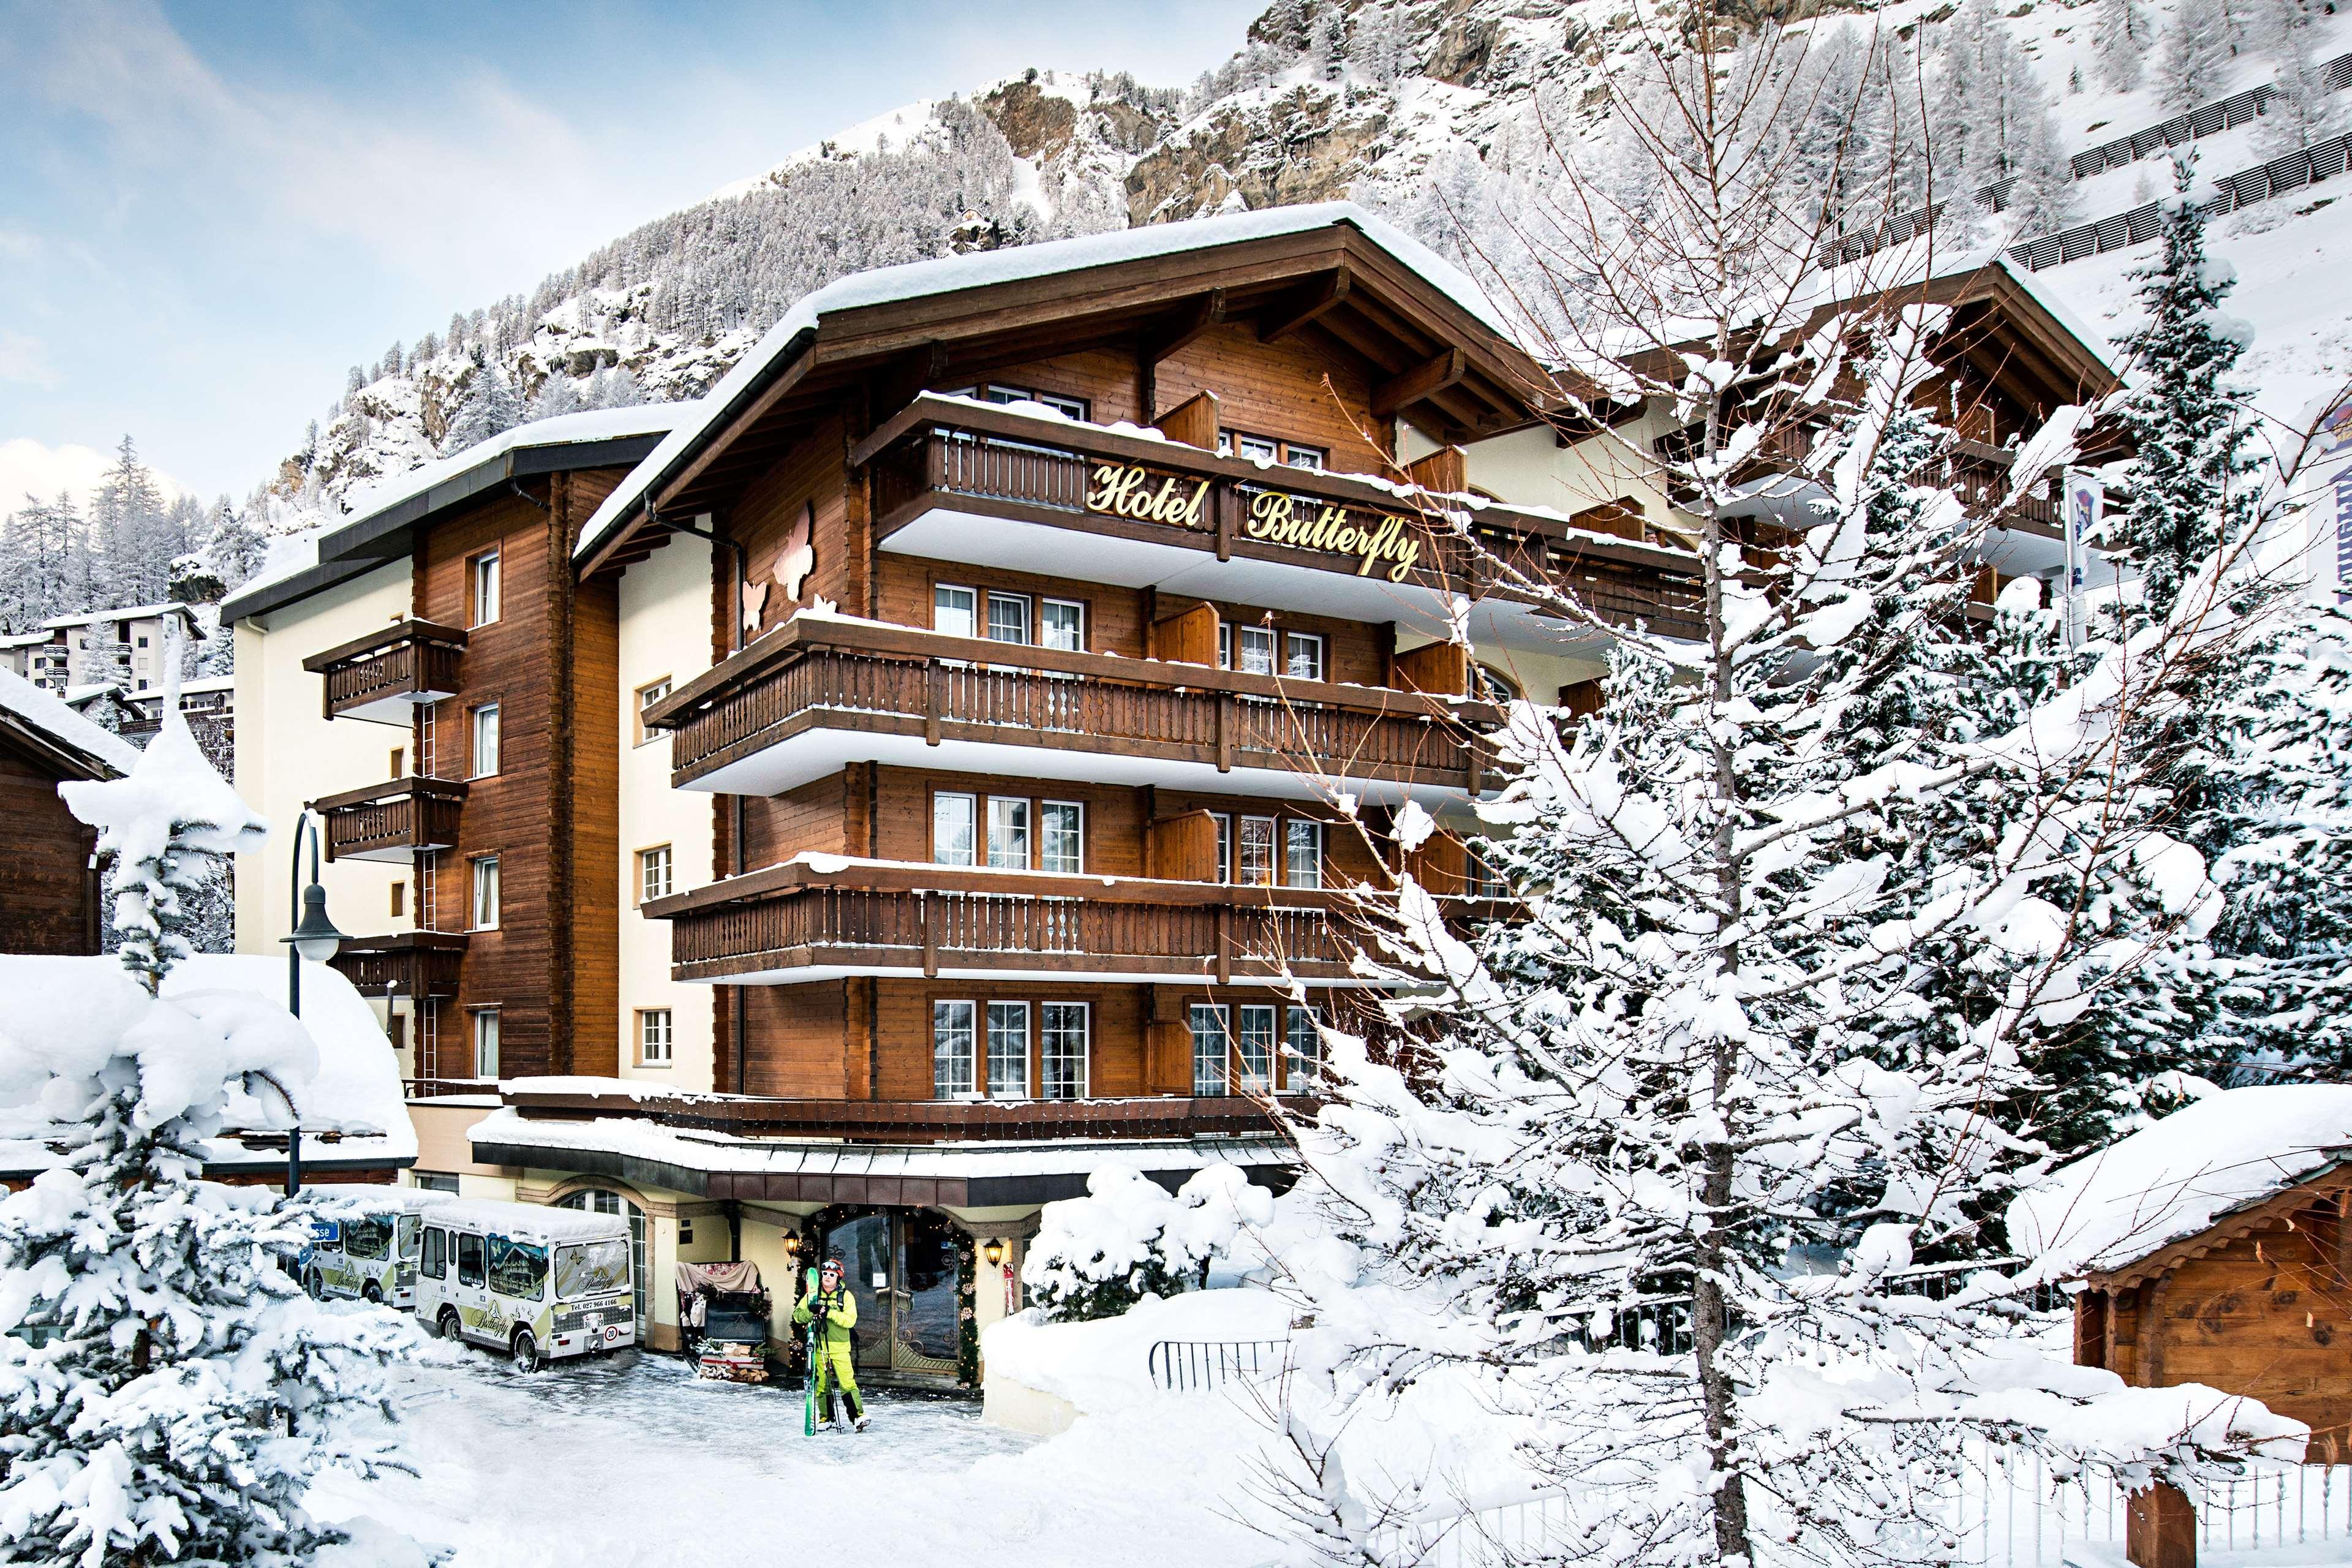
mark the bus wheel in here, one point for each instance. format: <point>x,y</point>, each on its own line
<point>526,1352</point>
<point>313,1286</point>
<point>446,1325</point>
<point>372,1293</point>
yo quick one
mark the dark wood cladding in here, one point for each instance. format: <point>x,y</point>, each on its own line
<point>924,1122</point>
<point>405,660</point>
<point>49,898</point>
<point>392,819</point>
<point>412,963</point>
<point>941,454</point>
<point>879,679</point>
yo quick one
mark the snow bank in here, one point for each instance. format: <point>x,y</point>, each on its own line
<point>2176,1177</point>
<point>1104,1366</point>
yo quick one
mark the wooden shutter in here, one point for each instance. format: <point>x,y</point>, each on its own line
<point>1580,697</point>
<point>1168,1058</point>
<point>1441,864</point>
<point>1446,470</point>
<point>1184,848</point>
<point>1190,638</point>
<point>1193,421</point>
<point>1442,668</point>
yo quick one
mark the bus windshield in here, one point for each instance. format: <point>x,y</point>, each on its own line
<point>409,1231</point>
<point>368,1239</point>
<point>517,1268</point>
<point>591,1269</point>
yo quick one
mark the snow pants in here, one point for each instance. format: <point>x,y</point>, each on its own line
<point>833,1369</point>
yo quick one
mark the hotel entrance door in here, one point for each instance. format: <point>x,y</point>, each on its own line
<point>900,1266</point>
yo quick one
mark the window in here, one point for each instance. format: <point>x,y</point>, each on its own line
<point>1491,685</point>
<point>1062,847</point>
<point>951,828</point>
<point>486,894</point>
<point>1302,852</point>
<point>1302,656</point>
<point>142,642</point>
<point>1209,1050</point>
<point>1008,1050</point>
<point>1254,1044</point>
<point>484,588</point>
<point>1063,1039</point>
<point>1257,852</point>
<point>1225,845</point>
<point>951,1050</point>
<point>653,873</point>
<point>1008,618</point>
<point>399,763</point>
<point>1008,833</point>
<point>1068,408</point>
<point>647,695</point>
<point>654,1040</point>
<point>434,1181</point>
<point>1289,454</point>
<point>1302,1046</point>
<point>485,1042</point>
<point>399,899</point>
<point>486,739</point>
<point>955,611</point>
<point>1298,457</point>
<point>1062,624</point>
<point>1253,650</point>
<point>469,1260</point>
<point>435,1262</point>
<point>1255,447</point>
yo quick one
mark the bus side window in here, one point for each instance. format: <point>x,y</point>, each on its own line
<point>469,1259</point>
<point>436,1253</point>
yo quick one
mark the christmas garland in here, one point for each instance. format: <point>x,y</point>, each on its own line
<point>966,1309</point>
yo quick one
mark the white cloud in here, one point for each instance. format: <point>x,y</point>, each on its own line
<point>25,358</point>
<point>28,467</point>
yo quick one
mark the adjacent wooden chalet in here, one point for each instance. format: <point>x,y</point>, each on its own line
<point>51,899</point>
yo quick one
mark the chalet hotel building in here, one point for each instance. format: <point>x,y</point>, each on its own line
<point>841,812</point>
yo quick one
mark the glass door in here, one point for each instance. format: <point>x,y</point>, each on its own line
<point>923,1329</point>
<point>862,1244</point>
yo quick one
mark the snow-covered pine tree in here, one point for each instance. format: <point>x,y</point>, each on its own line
<point>490,408</point>
<point>152,1346</point>
<point>2193,55</point>
<point>2302,109</point>
<point>1790,914</point>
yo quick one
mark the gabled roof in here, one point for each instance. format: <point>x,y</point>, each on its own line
<point>1331,267</point>
<point>386,516</point>
<point>40,723</point>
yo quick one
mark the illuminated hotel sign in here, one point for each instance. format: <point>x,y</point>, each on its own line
<point>1372,539</point>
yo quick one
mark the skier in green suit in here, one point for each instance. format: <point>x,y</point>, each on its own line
<point>832,1311</point>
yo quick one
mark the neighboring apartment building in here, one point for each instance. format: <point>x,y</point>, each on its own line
<point>209,705</point>
<point>123,646</point>
<point>943,759</point>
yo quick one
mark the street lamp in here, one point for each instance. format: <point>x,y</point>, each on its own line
<point>316,939</point>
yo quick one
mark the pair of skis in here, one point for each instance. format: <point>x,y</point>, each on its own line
<point>808,1403</point>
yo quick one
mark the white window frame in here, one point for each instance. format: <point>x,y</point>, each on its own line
<point>484,734</point>
<point>1256,447</point>
<point>1028,628</point>
<point>1224,821</point>
<point>1298,831</point>
<point>485,1033</point>
<point>656,1038</point>
<point>974,608</point>
<point>1045,836</point>
<point>1294,643</point>
<point>651,692</point>
<point>1078,608</point>
<point>1019,855</point>
<point>972,848</point>
<point>1221,1052</point>
<point>1047,1056</point>
<point>486,890</point>
<point>1311,458</point>
<point>485,586</point>
<point>1260,1022</point>
<point>1006,1085</point>
<point>660,858</point>
<point>1301,1072</point>
<point>1273,865</point>
<point>952,1073</point>
<point>1246,638</point>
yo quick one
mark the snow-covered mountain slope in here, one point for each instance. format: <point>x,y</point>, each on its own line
<point>1420,108</point>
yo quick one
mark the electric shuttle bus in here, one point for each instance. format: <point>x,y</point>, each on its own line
<point>540,1284</point>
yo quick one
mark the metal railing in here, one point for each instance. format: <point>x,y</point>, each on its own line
<point>1192,1367</point>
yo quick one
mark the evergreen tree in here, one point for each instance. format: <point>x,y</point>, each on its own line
<point>490,409</point>
<point>167,1393</point>
<point>2194,55</point>
<point>2302,109</point>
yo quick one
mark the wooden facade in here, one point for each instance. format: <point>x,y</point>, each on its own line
<point>49,899</point>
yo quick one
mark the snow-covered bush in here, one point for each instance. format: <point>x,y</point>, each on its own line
<point>1096,1256</point>
<point>167,1393</point>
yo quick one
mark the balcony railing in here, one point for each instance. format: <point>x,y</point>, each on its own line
<point>384,676</point>
<point>950,453</point>
<point>412,963</point>
<point>392,821</point>
<point>898,917</point>
<point>1978,472</point>
<point>813,675</point>
<point>912,1122</point>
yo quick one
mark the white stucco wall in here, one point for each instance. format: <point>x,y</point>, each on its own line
<point>665,632</point>
<point>287,754</point>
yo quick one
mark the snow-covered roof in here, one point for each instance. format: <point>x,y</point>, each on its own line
<point>26,639</point>
<point>2176,1177</point>
<point>45,712</point>
<point>563,430</point>
<point>353,1111</point>
<point>530,1222</point>
<point>126,613</point>
<point>948,274</point>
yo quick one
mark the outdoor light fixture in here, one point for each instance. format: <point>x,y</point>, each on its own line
<point>316,939</point>
<point>792,1246</point>
<point>993,1250</point>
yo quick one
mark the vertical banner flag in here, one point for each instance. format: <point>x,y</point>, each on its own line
<point>2336,445</point>
<point>2085,502</point>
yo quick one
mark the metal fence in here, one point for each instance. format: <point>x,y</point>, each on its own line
<point>1190,1366</point>
<point>2295,170</point>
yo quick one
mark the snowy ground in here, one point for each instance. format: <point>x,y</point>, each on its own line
<point>650,1465</point>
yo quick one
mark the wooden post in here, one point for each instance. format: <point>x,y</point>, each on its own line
<point>935,677</point>
<point>1225,944</point>
<point>923,902</point>
<point>1225,731</point>
<point>2160,1528</point>
<point>1227,501</point>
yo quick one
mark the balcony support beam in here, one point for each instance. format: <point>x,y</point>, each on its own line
<point>1431,376</point>
<point>1302,308</point>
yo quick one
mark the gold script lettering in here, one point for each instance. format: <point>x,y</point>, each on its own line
<point>1128,492</point>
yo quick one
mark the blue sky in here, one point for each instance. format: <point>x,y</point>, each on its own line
<point>209,211</point>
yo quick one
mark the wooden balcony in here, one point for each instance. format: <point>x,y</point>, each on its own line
<point>392,821</point>
<point>1978,472</point>
<point>411,964</point>
<point>1108,507</point>
<point>912,1122</point>
<point>386,675</point>
<point>823,917</point>
<point>815,692</point>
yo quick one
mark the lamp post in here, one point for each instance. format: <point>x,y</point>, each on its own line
<point>316,939</point>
